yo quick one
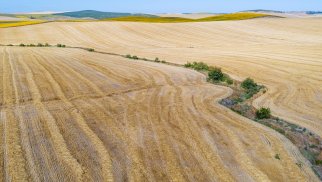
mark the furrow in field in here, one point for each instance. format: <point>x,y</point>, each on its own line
<point>72,166</point>
<point>13,157</point>
<point>81,123</point>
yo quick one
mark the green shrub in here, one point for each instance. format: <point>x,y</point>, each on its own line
<point>90,49</point>
<point>277,156</point>
<point>229,81</point>
<point>131,57</point>
<point>40,45</point>
<point>216,74</point>
<point>248,84</point>
<point>188,65</point>
<point>157,60</point>
<point>263,113</point>
<point>199,66</point>
<point>61,45</point>
<point>31,45</point>
<point>318,162</point>
<point>163,61</point>
<point>22,45</point>
<point>47,45</point>
<point>10,45</point>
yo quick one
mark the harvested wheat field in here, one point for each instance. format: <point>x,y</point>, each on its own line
<point>284,54</point>
<point>71,115</point>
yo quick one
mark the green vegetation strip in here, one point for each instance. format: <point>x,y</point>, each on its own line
<point>309,144</point>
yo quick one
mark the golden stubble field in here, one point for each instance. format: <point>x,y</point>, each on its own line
<point>69,114</point>
<point>283,54</point>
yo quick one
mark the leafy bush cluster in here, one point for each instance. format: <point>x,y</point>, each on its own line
<point>251,88</point>
<point>263,113</point>
<point>33,45</point>
<point>214,74</point>
<point>132,57</point>
<point>61,45</point>
<point>199,66</point>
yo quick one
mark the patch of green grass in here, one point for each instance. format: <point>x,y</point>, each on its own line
<point>277,156</point>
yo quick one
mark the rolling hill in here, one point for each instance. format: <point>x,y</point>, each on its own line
<point>98,14</point>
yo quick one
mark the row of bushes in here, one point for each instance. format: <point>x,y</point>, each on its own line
<point>48,45</point>
<point>214,73</point>
<point>157,60</point>
<point>34,45</point>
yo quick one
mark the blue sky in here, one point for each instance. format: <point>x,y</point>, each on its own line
<point>158,6</point>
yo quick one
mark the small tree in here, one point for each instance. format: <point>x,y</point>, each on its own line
<point>216,74</point>
<point>263,113</point>
<point>157,60</point>
<point>249,84</point>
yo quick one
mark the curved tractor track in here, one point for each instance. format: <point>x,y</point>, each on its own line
<point>71,115</point>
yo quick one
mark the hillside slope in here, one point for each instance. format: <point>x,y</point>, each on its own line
<point>71,115</point>
<point>98,14</point>
<point>283,54</point>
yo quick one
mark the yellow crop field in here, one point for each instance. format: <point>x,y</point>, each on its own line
<point>225,17</point>
<point>6,24</point>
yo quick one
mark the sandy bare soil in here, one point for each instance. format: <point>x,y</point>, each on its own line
<point>284,54</point>
<point>70,115</point>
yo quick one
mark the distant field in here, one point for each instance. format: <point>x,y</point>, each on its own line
<point>225,17</point>
<point>5,24</point>
<point>234,16</point>
<point>40,18</point>
<point>151,19</point>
